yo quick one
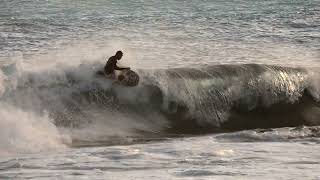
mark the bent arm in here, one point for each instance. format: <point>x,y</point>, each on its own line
<point>119,68</point>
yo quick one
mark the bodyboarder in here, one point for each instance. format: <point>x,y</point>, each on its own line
<point>111,65</point>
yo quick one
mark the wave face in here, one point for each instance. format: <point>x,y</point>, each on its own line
<point>185,100</point>
<point>237,97</point>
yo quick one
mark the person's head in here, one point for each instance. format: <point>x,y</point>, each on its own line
<point>119,55</point>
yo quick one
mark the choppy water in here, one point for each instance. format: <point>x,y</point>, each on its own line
<point>221,81</point>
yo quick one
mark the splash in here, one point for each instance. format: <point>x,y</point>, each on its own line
<point>27,132</point>
<point>84,108</point>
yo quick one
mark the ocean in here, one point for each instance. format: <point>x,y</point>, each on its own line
<point>228,89</point>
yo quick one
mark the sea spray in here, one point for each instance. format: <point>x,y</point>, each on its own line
<point>27,132</point>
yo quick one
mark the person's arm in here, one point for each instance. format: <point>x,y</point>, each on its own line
<point>120,68</point>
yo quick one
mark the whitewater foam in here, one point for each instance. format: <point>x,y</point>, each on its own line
<point>27,132</point>
<point>77,105</point>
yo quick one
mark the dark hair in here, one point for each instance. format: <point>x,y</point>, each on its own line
<point>119,53</point>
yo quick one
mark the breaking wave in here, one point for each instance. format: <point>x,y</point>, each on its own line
<point>71,104</point>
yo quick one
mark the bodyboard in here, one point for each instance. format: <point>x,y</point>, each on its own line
<point>128,78</point>
<point>125,77</point>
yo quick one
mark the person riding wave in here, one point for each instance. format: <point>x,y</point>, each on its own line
<point>111,65</point>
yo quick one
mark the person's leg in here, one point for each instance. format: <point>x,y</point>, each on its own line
<point>111,75</point>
